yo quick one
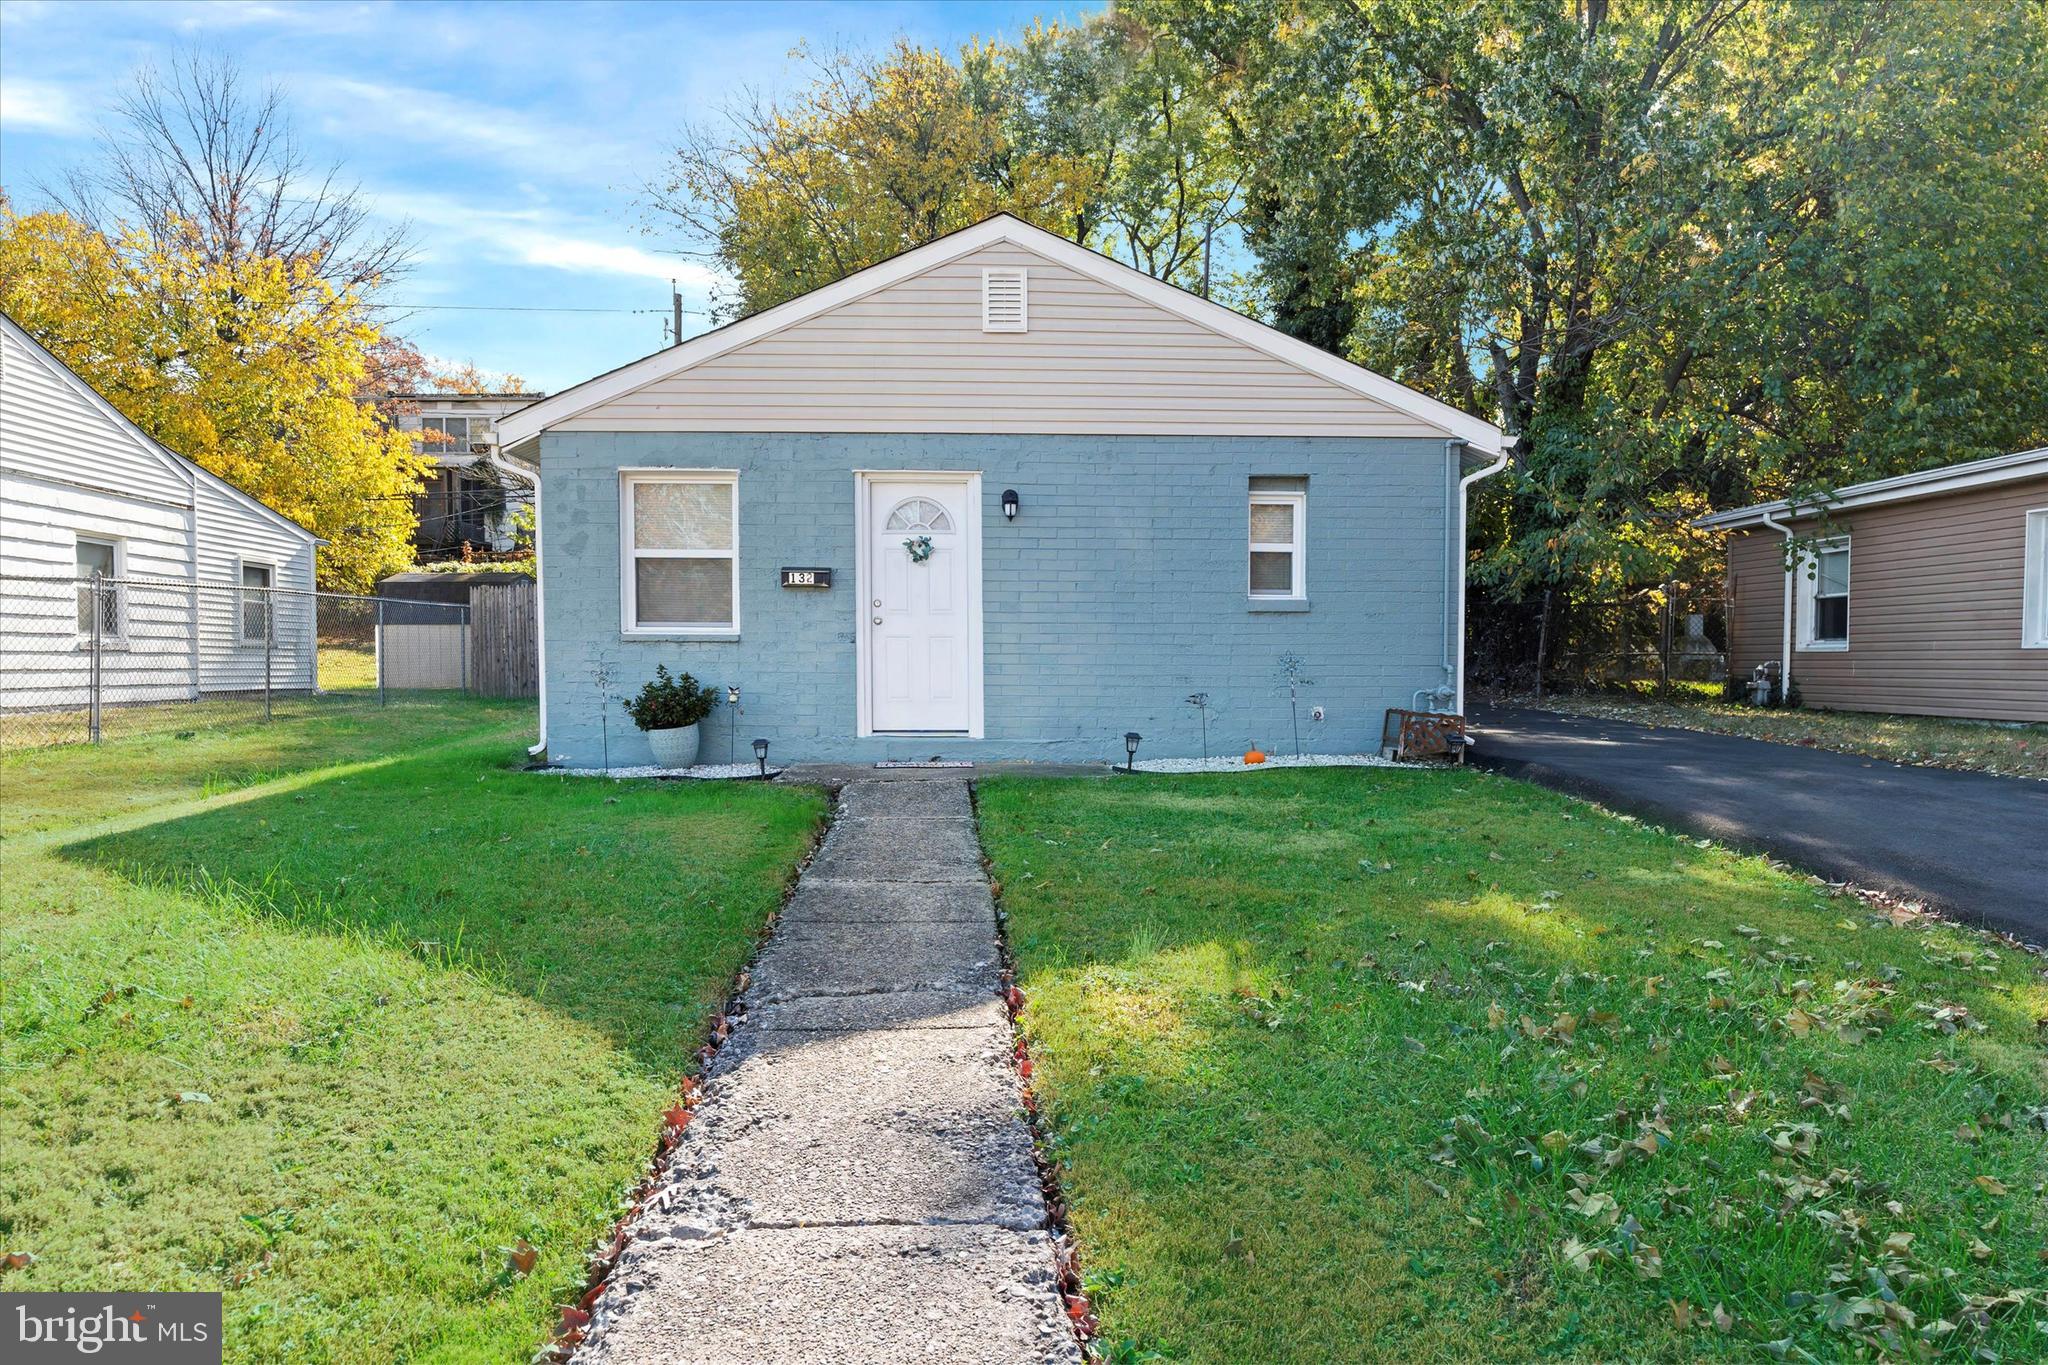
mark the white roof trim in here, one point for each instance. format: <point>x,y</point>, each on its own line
<point>519,427</point>
<point>183,467</point>
<point>1927,483</point>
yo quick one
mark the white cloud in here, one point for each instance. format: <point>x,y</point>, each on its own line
<point>463,127</point>
<point>538,238</point>
<point>43,105</point>
<point>571,253</point>
<point>235,14</point>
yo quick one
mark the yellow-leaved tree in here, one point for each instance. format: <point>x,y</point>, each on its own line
<point>249,365</point>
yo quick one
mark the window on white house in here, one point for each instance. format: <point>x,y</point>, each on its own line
<point>451,435</point>
<point>2034,604</point>
<point>255,603</point>
<point>681,539</point>
<point>1824,590</point>
<point>1279,541</point>
<point>98,558</point>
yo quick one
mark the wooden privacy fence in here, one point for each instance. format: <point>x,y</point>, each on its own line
<point>504,644</point>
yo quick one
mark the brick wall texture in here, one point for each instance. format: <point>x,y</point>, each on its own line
<point>1117,592</point>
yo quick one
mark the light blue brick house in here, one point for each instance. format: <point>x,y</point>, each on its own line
<point>1053,497</point>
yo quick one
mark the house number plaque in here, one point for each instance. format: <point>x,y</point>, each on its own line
<point>806,578</point>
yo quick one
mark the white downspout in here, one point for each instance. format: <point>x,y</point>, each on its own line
<point>1457,548</point>
<point>1785,657</point>
<point>540,616</point>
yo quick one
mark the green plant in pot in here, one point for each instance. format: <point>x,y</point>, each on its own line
<point>668,709</point>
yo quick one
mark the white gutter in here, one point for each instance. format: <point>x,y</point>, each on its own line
<point>540,622</point>
<point>1457,548</point>
<point>1785,658</point>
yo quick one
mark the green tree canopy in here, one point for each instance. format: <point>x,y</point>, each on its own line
<point>1689,253</point>
<point>1090,130</point>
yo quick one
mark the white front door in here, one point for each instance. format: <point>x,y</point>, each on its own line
<point>921,612</point>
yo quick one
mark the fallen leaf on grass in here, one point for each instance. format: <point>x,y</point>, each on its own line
<point>1581,1255</point>
<point>520,1257</point>
<point>1990,1184</point>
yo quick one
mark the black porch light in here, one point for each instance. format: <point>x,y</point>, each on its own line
<point>1009,504</point>
<point>761,755</point>
<point>1131,739</point>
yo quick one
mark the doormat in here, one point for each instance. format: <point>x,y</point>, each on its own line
<point>924,763</point>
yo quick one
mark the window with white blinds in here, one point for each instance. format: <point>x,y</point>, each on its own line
<point>1278,544</point>
<point>679,535</point>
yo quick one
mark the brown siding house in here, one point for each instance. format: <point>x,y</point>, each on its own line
<point>1925,594</point>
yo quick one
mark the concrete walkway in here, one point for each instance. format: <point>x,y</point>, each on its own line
<point>1969,844</point>
<point>858,1183</point>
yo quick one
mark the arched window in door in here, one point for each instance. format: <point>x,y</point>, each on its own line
<point>918,514</point>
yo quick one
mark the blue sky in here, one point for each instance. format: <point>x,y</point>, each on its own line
<point>514,137</point>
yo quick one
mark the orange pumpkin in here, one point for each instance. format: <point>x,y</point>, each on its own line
<point>1253,758</point>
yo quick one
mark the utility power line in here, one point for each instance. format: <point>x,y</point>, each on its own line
<point>525,308</point>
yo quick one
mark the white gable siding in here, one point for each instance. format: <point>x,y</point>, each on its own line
<point>70,467</point>
<point>913,356</point>
<point>50,426</point>
<point>230,533</point>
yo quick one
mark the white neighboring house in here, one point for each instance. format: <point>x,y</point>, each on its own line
<point>82,489</point>
<point>475,489</point>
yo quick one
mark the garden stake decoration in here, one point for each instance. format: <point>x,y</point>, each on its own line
<point>1200,701</point>
<point>732,728</point>
<point>604,675</point>
<point>1291,672</point>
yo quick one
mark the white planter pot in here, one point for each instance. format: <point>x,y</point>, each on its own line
<point>675,748</point>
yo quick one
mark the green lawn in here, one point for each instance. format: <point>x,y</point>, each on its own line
<point>1369,1065</point>
<point>1982,746</point>
<point>347,666</point>
<point>328,1014</point>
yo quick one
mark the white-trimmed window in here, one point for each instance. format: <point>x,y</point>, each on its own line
<point>101,558</point>
<point>1276,565</point>
<point>451,435</point>
<point>2034,600</point>
<point>680,536</point>
<point>1824,595</point>
<point>252,602</point>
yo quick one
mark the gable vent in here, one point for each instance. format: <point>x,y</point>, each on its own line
<point>1003,300</point>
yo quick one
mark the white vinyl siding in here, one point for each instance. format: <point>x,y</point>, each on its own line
<point>679,537</point>
<point>233,536</point>
<point>72,473</point>
<point>913,357</point>
<point>51,427</point>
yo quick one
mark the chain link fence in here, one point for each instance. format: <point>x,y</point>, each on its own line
<point>86,659</point>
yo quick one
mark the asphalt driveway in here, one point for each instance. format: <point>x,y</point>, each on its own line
<point>1971,845</point>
